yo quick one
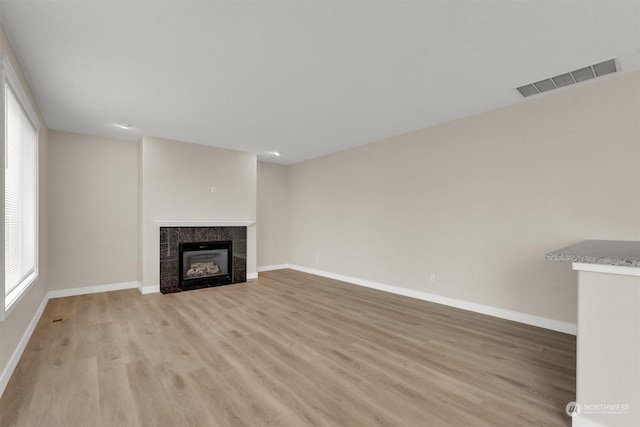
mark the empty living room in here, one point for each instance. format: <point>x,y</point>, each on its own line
<point>410,213</point>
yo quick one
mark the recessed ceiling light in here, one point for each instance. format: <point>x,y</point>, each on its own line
<point>276,153</point>
<point>123,125</point>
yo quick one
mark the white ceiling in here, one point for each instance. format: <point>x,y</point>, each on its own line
<point>303,77</point>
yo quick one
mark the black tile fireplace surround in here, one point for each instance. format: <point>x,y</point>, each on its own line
<point>171,237</point>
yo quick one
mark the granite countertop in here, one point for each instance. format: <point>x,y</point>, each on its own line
<point>604,252</point>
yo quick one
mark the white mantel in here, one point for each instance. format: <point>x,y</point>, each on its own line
<point>165,223</point>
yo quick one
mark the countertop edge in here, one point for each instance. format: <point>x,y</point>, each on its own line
<point>616,253</point>
<point>619,262</point>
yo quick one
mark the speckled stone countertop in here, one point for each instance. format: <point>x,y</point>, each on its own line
<point>604,252</point>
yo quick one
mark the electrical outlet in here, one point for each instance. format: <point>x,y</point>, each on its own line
<point>432,278</point>
<point>213,189</point>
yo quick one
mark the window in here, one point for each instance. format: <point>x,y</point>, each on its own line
<point>20,189</point>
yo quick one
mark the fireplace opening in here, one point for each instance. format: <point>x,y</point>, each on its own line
<point>204,264</point>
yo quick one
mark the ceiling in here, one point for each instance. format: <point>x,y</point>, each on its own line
<point>306,78</point>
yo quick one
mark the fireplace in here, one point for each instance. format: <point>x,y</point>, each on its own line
<point>204,264</point>
<point>174,241</point>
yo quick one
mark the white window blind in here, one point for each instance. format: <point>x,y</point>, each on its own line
<point>21,193</point>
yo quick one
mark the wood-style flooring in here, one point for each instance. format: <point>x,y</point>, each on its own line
<point>288,349</point>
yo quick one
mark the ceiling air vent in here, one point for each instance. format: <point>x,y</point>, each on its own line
<point>577,76</point>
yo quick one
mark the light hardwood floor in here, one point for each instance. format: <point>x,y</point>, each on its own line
<point>288,349</point>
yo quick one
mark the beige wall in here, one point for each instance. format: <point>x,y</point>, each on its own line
<point>274,219</point>
<point>13,328</point>
<point>176,186</point>
<point>479,201</point>
<point>93,210</point>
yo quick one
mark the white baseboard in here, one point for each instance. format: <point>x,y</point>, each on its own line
<point>273,267</point>
<point>149,289</point>
<point>17,353</point>
<point>529,319</point>
<point>251,276</point>
<point>93,289</point>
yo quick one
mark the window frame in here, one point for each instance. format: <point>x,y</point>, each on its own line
<point>10,78</point>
